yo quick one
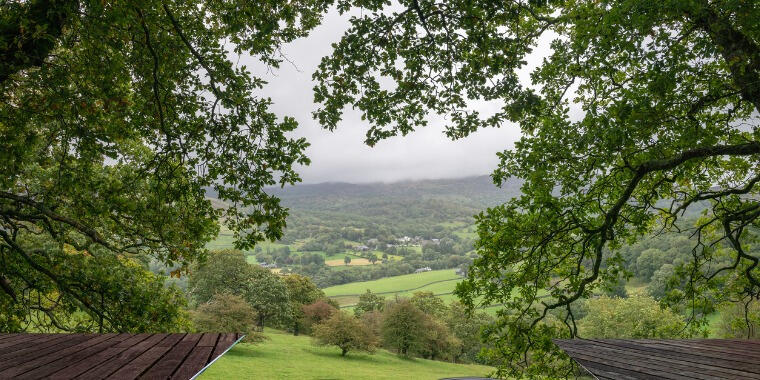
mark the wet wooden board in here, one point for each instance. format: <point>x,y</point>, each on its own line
<point>677,359</point>
<point>117,356</point>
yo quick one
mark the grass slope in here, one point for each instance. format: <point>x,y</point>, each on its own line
<point>285,356</point>
<point>391,285</point>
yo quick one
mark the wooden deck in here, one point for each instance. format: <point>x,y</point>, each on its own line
<point>665,358</point>
<point>109,356</point>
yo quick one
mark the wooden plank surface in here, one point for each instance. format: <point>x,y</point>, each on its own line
<point>666,358</point>
<point>71,355</point>
<point>171,361</point>
<point>31,362</point>
<point>117,356</point>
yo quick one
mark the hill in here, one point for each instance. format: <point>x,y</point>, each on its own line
<point>276,359</point>
<point>373,210</point>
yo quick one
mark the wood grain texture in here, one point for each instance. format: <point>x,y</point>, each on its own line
<point>680,359</point>
<point>117,356</point>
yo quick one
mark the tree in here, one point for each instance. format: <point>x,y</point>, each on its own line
<point>615,288</point>
<point>660,285</point>
<point>438,342</point>
<point>317,312</point>
<point>372,258</point>
<point>369,302</point>
<point>650,261</point>
<point>640,112</point>
<point>429,303</point>
<point>225,271</point>
<point>228,272</point>
<point>635,317</point>
<point>136,299</point>
<point>117,120</point>
<point>345,332</point>
<point>301,291</point>
<point>267,295</point>
<point>373,320</point>
<point>466,327</point>
<point>404,327</point>
<point>227,313</point>
<point>347,260</point>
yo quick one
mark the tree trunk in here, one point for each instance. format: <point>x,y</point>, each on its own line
<point>343,351</point>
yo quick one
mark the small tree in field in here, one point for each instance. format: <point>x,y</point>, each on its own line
<point>438,342</point>
<point>345,332</point>
<point>347,260</point>
<point>404,327</point>
<point>372,258</point>
<point>429,303</point>
<point>227,313</point>
<point>369,302</point>
<point>316,313</point>
<point>301,291</point>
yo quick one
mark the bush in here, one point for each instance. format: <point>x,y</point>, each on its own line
<point>227,313</point>
<point>345,332</point>
<point>734,323</point>
<point>429,304</point>
<point>373,321</point>
<point>316,313</point>
<point>635,317</point>
<point>369,302</point>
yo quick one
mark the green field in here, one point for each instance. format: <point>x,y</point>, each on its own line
<point>392,284</point>
<point>285,356</point>
<point>440,282</point>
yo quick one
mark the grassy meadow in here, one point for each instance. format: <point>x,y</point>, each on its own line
<point>285,356</point>
<point>440,282</point>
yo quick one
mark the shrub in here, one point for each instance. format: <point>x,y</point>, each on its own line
<point>316,313</point>
<point>369,302</point>
<point>636,317</point>
<point>738,322</point>
<point>345,332</point>
<point>227,313</point>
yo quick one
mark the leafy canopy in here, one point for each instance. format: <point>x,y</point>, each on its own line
<point>641,110</point>
<point>345,332</point>
<point>115,119</point>
<point>635,317</point>
<point>227,313</point>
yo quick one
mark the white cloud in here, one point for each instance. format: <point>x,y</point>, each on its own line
<point>342,155</point>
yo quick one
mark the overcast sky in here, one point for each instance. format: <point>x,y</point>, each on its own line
<point>342,156</point>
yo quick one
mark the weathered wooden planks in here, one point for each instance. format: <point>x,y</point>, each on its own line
<point>116,356</point>
<point>635,359</point>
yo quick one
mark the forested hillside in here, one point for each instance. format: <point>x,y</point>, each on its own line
<point>411,208</point>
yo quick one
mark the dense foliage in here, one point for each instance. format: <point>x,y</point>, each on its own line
<point>227,272</point>
<point>640,110</point>
<point>114,118</point>
<point>301,292</point>
<point>404,327</point>
<point>227,313</point>
<point>345,332</point>
<point>634,318</point>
